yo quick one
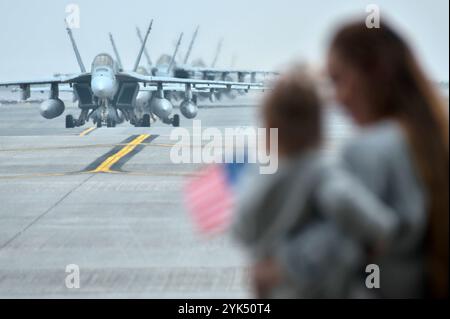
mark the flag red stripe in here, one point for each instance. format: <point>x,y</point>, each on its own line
<point>210,200</point>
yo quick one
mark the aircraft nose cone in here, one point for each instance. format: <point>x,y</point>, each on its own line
<point>102,87</point>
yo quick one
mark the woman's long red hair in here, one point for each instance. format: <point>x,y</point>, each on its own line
<point>398,88</point>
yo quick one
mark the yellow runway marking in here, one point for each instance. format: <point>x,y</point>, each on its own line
<point>87,131</point>
<point>110,161</point>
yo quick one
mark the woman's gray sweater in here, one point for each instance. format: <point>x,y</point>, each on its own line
<point>381,158</point>
<point>318,219</point>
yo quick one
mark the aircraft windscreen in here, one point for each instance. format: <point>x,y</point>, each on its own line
<point>102,60</point>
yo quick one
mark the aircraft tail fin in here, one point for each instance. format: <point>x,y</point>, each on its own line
<point>147,56</point>
<point>233,61</point>
<point>172,60</point>
<point>116,52</point>
<point>75,49</point>
<point>216,57</point>
<point>188,53</point>
<point>138,59</point>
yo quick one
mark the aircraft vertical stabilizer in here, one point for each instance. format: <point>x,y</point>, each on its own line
<point>116,52</point>
<point>147,56</point>
<point>216,57</point>
<point>75,49</point>
<point>138,59</point>
<point>188,53</point>
<point>172,60</point>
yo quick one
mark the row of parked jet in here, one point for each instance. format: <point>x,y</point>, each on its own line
<point>108,94</point>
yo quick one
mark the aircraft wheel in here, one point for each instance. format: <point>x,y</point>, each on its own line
<point>70,122</point>
<point>176,120</point>
<point>146,120</point>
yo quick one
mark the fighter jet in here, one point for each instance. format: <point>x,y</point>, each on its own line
<point>171,92</point>
<point>199,70</point>
<point>107,92</point>
<point>167,65</point>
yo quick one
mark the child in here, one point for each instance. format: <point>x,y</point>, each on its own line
<point>306,191</point>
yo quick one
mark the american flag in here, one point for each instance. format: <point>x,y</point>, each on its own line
<point>210,197</point>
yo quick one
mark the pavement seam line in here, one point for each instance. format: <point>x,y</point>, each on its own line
<point>34,221</point>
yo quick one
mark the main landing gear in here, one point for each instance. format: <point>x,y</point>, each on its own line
<point>176,120</point>
<point>71,122</point>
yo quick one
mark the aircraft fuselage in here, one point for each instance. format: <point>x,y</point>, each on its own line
<point>103,77</point>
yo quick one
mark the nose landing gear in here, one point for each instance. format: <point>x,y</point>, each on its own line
<point>145,121</point>
<point>110,122</point>
<point>106,115</point>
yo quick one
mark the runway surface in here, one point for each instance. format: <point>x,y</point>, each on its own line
<point>66,197</point>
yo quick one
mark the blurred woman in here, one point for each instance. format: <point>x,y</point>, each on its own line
<point>401,154</point>
<point>308,194</point>
<point>383,88</point>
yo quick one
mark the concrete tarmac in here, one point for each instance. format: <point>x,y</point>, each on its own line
<point>127,230</point>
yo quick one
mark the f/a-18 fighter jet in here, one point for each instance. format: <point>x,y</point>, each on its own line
<point>199,70</point>
<point>185,70</point>
<point>107,94</point>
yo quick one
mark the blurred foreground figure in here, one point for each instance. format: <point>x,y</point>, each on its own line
<point>401,155</point>
<point>305,194</point>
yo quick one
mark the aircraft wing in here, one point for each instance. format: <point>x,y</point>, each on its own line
<point>170,87</point>
<point>239,71</point>
<point>73,78</point>
<point>44,89</point>
<point>196,88</point>
<point>156,80</point>
<point>216,70</point>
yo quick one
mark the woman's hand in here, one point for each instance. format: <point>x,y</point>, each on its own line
<point>266,275</point>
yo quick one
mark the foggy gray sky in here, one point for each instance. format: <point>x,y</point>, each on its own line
<point>263,34</point>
